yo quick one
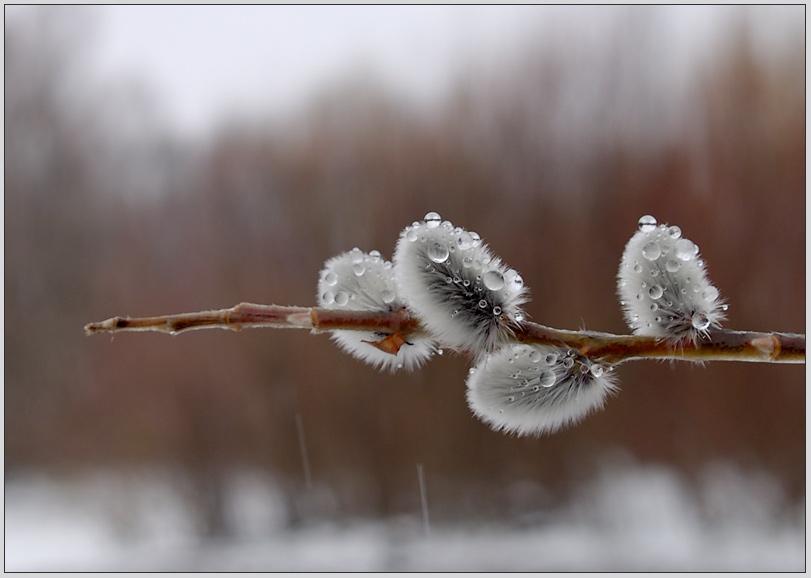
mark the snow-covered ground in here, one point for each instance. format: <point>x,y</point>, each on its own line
<point>625,519</point>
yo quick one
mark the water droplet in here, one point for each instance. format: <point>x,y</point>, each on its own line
<point>411,235</point>
<point>399,366</point>
<point>568,363</point>
<point>651,251</point>
<point>471,371</point>
<point>387,295</point>
<point>328,298</point>
<point>700,321</point>
<point>637,268</point>
<point>647,223</point>
<point>496,310</point>
<point>672,265</point>
<point>447,225</point>
<point>724,307</point>
<point>466,283</point>
<point>341,298</point>
<point>534,356</point>
<point>547,378</point>
<point>597,370</point>
<point>519,317</point>
<point>551,358</point>
<point>483,304</point>
<point>465,241</point>
<point>686,249</point>
<point>432,220</point>
<point>440,352</point>
<point>375,254</point>
<point>493,280</point>
<point>655,291</point>
<point>358,269</point>
<point>438,253</point>
<point>674,232</point>
<point>330,278</point>
<point>654,306</point>
<point>357,255</point>
<point>710,293</point>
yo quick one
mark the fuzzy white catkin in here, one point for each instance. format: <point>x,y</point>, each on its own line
<point>463,294</point>
<point>663,286</point>
<point>532,390</point>
<point>365,282</point>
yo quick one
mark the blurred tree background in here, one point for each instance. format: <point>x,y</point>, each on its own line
<point>551,156</point>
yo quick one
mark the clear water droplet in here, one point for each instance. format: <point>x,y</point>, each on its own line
<point>700,321</point>
<point>496,310</point>
<point>493,280</point>
<point>465,241</point>
<point>411,235</point>
<point>710,293</point>
<point>358,269</point>
<point>519,317</point>
<point>387,295</point>
<point>637,268</point>
<point>330,278</point>
<point>647,223</point>
<point>724,307</point>
<point>357,255</point>
<point>534,356</point>
<point>466,283</point>
<point>655,291</point>
<point>551,358</point>
<point>547,378</point>
<point>440,352</point>
<point>568,363</point>
<point>328,298</point>
<point>654,306</point>
<point>471,371</point>
<point>672,265</point>
<point>597,370</point>
<point>674,232</point>
<point>438,253</point>
<point>341,298</point>
<point>483,304</point>
<point>651,251</point>
<point>432,220</point>
<point>686,249</point>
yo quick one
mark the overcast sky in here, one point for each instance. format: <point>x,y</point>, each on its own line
<point>204,63</point>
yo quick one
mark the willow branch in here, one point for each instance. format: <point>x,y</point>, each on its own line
<point>720,345</point>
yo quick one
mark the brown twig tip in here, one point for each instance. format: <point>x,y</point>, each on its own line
<point>721,345</point>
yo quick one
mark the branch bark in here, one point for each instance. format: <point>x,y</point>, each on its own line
<point>721,345</point>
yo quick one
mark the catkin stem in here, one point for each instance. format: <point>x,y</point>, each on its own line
<point>720,345</point>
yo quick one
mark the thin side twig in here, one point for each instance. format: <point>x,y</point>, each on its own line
<point>720,345</point>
